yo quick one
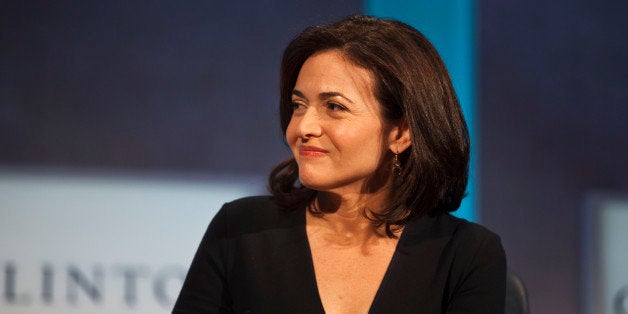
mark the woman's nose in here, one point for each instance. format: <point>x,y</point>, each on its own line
<point>309,125</point>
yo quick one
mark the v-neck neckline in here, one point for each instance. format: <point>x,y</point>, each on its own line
<point>312,271</point>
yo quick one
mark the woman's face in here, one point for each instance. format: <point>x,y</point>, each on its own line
<point>336,132</point>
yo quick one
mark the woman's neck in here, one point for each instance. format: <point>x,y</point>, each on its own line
<point>346,217</point>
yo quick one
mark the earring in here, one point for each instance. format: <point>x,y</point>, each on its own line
<point>396,166</point>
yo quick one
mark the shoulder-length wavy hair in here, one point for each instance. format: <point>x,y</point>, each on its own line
<point>412,85</point>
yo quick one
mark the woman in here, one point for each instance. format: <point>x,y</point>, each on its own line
<point>358,221</point>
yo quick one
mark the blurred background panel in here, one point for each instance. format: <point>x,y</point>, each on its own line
<point>88,242</point>
<point>604,256</point>
<point>125,125</point>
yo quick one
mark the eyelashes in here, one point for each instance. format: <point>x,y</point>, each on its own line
<point>296,105</point>
<point>331,106</point>
<point>336,107</point>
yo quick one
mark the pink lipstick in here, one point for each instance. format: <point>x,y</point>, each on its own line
<point>311,151</point>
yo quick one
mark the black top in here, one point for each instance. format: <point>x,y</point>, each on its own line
<point>255,258</point>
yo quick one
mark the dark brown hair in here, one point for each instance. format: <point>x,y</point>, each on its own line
<point>411,84</point>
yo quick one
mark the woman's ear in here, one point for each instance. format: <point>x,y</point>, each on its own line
<point>399,137</point>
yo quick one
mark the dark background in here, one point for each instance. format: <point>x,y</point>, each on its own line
<point>150,85</point>
<point>553,110</point>
<point>191,87</point>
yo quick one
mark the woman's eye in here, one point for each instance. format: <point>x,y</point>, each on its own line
<point>296,105</point>
<point>335,107</point>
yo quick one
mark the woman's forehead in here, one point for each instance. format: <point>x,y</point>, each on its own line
<point>331,71</point>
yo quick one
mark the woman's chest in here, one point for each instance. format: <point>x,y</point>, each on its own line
<point>278,272</point>
<point>348,277</point>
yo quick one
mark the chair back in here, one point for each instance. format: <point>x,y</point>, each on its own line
<point>516,295</point>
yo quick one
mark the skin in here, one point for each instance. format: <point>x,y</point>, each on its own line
<point>336,132</point>
<point>343,148</point>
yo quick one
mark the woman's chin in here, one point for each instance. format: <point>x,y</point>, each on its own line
<point>322,184</point>
<point>312,184</point>
<point>316,182</point>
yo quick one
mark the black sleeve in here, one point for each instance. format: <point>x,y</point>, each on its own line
<point>482,288</point>
<point>205,287</point>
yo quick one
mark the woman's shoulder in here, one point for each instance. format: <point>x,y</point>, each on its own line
<point>261,204</point>
<point>473,240</point>
<point>447,225</point>
<point>250,215</point>
<point>462,237</point>
<point>463,228</point>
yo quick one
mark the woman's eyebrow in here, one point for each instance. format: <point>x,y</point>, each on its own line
<point>298,93</point>
<point>323,95</point>
<point>326,95</point>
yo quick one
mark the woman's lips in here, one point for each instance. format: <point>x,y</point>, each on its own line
<point>312,151</point>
